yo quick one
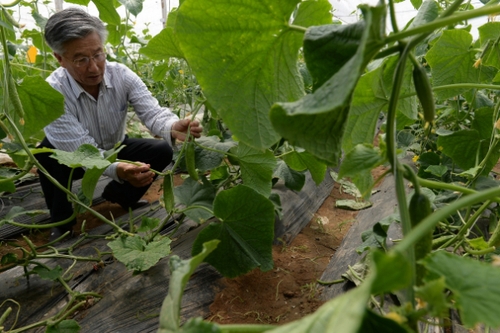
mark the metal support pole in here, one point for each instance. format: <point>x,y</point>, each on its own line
<point>164,12</point>
<point>59,5</point>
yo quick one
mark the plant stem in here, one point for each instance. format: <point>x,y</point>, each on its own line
<point>467,225</point>
<point>443,22</point>
<point>432,220</point>
<point>396,167</point>
<point>197,207</point>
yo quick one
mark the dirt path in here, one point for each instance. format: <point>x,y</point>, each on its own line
<point>286,293</point>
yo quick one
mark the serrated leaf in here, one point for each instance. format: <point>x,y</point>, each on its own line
<point>301,161</point>
<point>42,105</point>
<point>65,326</point>
<point>133,6</point>
<point>136,254</point>
<point>259,66</point>
<point>451,59</point>
<point>294,180</point>
<point>163,46</point>
<point>148,224</point>
<point>387,278</point>
<point>473,285</point>
<point>181,271</point>
<point>324,112</point>
<point>488,33</point>
<point>48,274</point>
<point>86,156</point>
<point>107,11</point>
<point>433,293</point>
<point>363,157</point>
<point>193,193</point>
<point>437,170</point>
<point>428,11</point>
<point>256,168</point>
<point>243,213</point>
<point>93,174</point>
<point>116,33</point>
<point>465,147</point>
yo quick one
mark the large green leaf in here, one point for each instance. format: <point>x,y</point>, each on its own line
<point>116,33</point>
<point>428,12</point>
<point>294,180</point>
<point>488,33</point>
<point>133,6</point>
<point>42,105</point>
<point>243,74</point>
<point>474,286</point>
<point>136,254</point>
<point>181,271</point>
<point>165,44</point>
<point>193,193</point>
<point>86,156</point>
<point>388,279</point>
<point>452,61</point>
<point>243,215</point>
<point>107,11</point>
<point>256,168</point>
<point>370,98</point>
<point>467,149</point>
<point>208,159</point>
<point>317,121</point>
<point>301,161</point>
<point>483,122</point>
<point>362,157</point>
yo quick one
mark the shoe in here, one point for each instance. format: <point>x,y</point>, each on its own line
<point>57,232</point>
<point>138,204</point>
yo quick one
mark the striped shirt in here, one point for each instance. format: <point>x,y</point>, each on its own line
<point>102,122</point>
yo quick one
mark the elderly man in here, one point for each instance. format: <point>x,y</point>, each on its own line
<point>97,95</point>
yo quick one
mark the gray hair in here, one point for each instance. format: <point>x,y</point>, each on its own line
<point>69,24</point>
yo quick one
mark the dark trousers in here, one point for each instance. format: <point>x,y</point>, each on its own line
<point>156,153</point>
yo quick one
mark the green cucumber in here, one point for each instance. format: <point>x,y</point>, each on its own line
<point>420,208</point>
<point>423,89</point>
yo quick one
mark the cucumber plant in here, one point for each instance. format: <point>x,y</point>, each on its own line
<point>245,58</point>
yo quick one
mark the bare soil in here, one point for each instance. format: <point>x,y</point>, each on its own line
<point>287,292</point>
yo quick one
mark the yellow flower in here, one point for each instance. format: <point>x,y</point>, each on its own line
<point>497,124</point>
<point>415,158</point>
<point>477,63</point>
<point>181,71</point>
<point>31,54</point>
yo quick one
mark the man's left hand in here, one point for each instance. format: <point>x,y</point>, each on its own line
<point>180,128</point>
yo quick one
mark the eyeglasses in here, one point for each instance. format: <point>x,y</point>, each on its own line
<point>84,61</point>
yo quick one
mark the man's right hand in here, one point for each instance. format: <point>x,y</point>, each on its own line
<point>137,175</point>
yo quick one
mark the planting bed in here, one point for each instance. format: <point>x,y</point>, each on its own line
<point>131,302</point>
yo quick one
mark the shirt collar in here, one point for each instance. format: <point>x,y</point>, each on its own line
<point>78,90</point>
